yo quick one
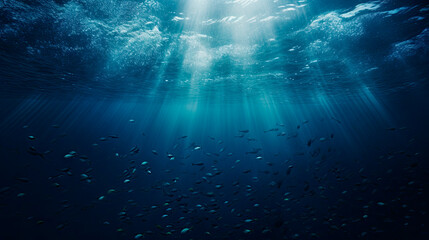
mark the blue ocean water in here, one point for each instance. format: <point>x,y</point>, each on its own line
<point>214,119</point>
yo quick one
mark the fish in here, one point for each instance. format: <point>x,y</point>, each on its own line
<point>255,151</point>
<point>198,164</point>
<point>271,130</point>
<point>336,120</point>
<point>34,152</point>
<point>4,189</point>
<point>289,169</point>
<point>134,150</point>
<point>23,180</point>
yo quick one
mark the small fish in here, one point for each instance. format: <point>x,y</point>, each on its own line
<point>23,180</point>
<point>138,236</point>
<point>271,130</point>
<point>198,164</point>
<point>244,131</point>
<point>134,150</point>
<point>4,189</point>
<point>338,121</point>
<point>289,169</point>
<point>71,154</point>
<point>255,151</point>
<point>34,152</point>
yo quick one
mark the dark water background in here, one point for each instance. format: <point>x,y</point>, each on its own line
<point>324,104</point>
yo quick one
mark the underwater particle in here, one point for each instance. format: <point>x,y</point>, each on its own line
<point>138,236</point>
<point>32,137</point>
<point>185,230</point>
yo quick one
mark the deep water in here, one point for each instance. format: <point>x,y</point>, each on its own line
<point>204,119</point>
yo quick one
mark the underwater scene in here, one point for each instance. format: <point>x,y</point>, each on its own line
<point>214,119</point>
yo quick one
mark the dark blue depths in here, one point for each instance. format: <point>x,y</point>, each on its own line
<point>114,169</point>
